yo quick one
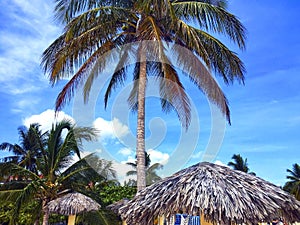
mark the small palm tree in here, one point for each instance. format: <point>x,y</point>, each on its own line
<point>293,186</point>
<point>54,174</point>
<point>240,164</point>
<point>26,154</point>
<point>151,175</point>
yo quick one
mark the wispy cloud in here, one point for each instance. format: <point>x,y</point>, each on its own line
<point>25,32</point>
<point>125,152</point>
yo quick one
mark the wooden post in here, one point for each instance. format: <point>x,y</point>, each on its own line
<point>124,222</point>
<point>71,219</point>
<point>161,220</point>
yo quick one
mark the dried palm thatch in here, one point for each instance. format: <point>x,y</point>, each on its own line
<point>218,193</point>
<point>72,204</point>
<point>117,205</point>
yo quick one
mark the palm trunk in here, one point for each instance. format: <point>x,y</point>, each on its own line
<point>45,213</point>
<point>45,218</point>
<point>140,146</point>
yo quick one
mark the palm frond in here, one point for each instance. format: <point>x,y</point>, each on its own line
<point>202,78</point>
<point>15,170</point>
<point>132,98</point>
<point>103,167</point>
<point>131,173</point>
<point>119,74</point>
<point>65,10</point>
<point>212,18</point>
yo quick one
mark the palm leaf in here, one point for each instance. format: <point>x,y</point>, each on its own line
<point>202,78</point>
<point>212,18</point>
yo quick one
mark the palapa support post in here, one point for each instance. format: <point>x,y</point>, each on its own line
<point>161,220</point>
<point>71,219</point>
<point>203,221</point>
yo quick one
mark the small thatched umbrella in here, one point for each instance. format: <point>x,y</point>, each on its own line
<point>218,193</point>
<point>72,204</point>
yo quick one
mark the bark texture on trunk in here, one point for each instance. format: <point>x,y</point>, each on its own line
<point>140,147</point>
<point>45,217</point>
<point>45,212</point>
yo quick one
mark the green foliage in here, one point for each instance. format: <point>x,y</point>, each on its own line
<point>101,217</point>
<point>30,190</point>
<point>293,185</point>
<point>240,164</point>
<point>5,211</point>
<point>113,193</point>
<point>26,216</point>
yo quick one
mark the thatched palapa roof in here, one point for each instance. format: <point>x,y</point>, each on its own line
<point>117,205</point>
<point>72,204</point>
<point>217,192</point>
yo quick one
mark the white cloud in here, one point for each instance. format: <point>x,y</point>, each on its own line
<point>197,155</point>
<point>110,129</point>
<point>46,119</point>
<point>30,31</point>
<point>130,159</point>
<point>218,162</point>
<point>125,151</point>
<point>158,157</point>
<point>122,169</point>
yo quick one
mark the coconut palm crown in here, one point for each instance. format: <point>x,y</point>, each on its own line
<point>293,185</point>
<point>240,164</point>
<point>94,28</point>
<point>55,174</point>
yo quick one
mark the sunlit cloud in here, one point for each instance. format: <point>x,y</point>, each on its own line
<point>47,118</point>
<point>125,151</point>
<point>110,129</point>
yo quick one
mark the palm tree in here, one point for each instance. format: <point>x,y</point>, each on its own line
<point>52,179</point>
<point>293,186</point>
<point>95,27</point>
<point>240,164</point>
<point>29,150</point>
<point>151,175</point>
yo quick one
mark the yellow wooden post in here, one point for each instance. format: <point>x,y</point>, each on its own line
<point>203,221</point>
<point>71,219</point>
<point>124,222</point>
<point>161,220</point>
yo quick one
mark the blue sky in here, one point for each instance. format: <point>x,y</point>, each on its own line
<point>265,111</point>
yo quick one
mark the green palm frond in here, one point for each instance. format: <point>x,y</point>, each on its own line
<point>212,18</point>
<point>133,96</point>
<point>226,62</point>
<point>15,170</point>
<point>65,10</point>
<point>120,71</point>
<point>293,185</point>
<point>202,78</point>
<point>186,36</point>
<point>98,66</point>
<point>173,95</point>
<point>131,173</point>
<point>85,134</point>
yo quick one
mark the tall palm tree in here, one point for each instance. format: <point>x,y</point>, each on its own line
<point>240,164</point>
<point>55,176</point>
<point>95,27</point>
<point>293,186</point>
<point>26,154</point>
